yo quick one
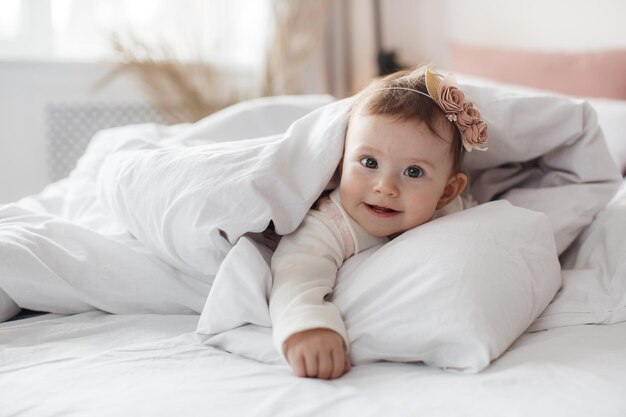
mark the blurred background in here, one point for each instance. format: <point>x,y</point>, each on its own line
<point>69,68</point>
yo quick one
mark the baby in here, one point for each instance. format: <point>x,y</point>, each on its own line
<point>404,145</point>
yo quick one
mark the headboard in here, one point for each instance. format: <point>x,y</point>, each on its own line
<point>573,47</point>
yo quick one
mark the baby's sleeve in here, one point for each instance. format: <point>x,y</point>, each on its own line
<point>304,270</point>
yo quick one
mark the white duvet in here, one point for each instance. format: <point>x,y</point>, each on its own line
<point>145,221</point>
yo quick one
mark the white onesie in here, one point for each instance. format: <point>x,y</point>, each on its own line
<point>305,264</point>
<point>304,270</point>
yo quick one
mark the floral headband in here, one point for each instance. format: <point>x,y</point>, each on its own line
<point>456,108</point>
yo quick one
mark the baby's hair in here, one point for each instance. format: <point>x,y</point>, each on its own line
<point>392,96</point>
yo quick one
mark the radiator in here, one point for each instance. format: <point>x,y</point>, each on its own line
<point>70,126</point>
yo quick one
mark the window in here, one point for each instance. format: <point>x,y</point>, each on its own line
<point>228,32</point>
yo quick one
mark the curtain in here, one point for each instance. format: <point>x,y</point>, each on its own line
<point>321,46</point>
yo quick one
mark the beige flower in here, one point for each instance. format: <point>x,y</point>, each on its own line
<point>451,99</point>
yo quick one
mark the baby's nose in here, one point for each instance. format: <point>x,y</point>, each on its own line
<point>386,186</point>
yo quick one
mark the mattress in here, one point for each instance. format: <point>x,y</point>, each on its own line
<point>96,364</point>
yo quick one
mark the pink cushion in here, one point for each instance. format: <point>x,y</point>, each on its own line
<point>590,74</point>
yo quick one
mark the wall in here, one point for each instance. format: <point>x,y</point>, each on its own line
<point>554,25</point>
<point>26,88</point>
<point>415,29</point>
<point>419,30</point>
<point>410,29</point>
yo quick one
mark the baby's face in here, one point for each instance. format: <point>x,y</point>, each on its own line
<point>394,173</point>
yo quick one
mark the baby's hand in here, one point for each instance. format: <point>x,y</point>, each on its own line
<point>317,353</point>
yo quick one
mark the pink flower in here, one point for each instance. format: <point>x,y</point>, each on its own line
<point>451,99</point>
<point>458,110</point>
<point>468,116</point>
<point>475,136</point>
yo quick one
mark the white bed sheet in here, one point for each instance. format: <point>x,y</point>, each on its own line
<point>97,364</point>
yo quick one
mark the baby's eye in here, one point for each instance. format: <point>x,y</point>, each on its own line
<point>369,162</point>
<point>414,171</point>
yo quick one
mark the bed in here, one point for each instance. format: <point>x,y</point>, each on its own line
<point>180,348</point>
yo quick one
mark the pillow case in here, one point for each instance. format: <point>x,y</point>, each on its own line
<point>462,288</point>
<point>589,74</point>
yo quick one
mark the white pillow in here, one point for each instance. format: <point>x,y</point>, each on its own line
<point>453,293</point>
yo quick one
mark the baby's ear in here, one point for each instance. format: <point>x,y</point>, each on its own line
<point>455,186</point>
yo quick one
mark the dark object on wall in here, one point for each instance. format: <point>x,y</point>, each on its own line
<point>387,62</point>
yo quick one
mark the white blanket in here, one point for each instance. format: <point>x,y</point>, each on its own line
<point>594,273</point>
<point>62,251</point>
<point>148,215</point>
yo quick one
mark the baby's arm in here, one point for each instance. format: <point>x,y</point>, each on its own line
<point>308,330</point>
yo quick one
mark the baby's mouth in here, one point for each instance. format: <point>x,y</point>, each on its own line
<point>381,210</point>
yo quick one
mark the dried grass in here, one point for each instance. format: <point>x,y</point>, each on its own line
<point>185,91</point>
<point>180,91</point>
